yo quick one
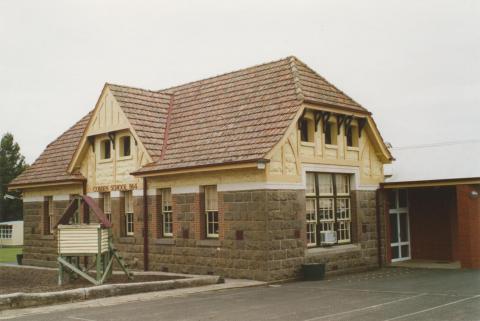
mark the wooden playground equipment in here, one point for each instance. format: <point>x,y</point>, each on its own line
<point>88,240</point>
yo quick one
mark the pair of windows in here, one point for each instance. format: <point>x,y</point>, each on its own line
<point>128,215</point>
<point>211,217</point>
<point>328,207</point>
<point>6,232</point>
<point>124,151</point>
<point>307,133</point>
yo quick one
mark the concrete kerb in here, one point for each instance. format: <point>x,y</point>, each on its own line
<point>25,300</point>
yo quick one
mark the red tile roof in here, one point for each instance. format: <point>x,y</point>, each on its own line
<point>234,117</point>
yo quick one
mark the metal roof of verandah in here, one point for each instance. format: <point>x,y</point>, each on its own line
<point>449,162</point>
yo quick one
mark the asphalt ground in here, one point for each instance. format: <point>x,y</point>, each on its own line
<point>387,294</point>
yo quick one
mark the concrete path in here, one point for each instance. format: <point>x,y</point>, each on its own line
<point>388,294</point>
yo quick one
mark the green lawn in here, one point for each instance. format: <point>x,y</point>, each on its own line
<point>9,254</point>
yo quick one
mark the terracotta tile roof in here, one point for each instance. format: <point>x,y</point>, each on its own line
<point>234,117</point>
<point>51,165</point>
<point>240,116</point>
<point>317,89</point>
<point>147,112</point>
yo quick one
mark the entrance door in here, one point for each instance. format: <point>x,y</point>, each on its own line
<point>399,226</point>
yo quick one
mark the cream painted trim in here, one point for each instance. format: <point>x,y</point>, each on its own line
<point>137,192</point>
<point>115,194</point>
<point>186,189</point>
<point>335,110</point>
<point>258,186</point>
<point>95,195</point>
<point>152,192</point>
<point>338,169</point>
<point>81,145</point>
<point>33,199</point>
<point>368,187</point>
<point>286,135</point>
<point>61,197</point>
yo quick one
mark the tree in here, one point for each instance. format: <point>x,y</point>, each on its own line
<point>12,164</point>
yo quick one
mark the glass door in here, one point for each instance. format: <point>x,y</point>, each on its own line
<point>399,226</point>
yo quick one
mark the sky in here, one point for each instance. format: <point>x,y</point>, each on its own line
<point>415,64</point>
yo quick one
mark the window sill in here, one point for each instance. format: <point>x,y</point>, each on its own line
<point>336,249</point>
<point>330,146</point>
<point>103,161</point>
<point>126,240</point>
<point>353,148</point>
<point>307,144</point>
<point>208,243</point>
<point>165,241</point>
<point>122,158</point>
<point>48,237</point>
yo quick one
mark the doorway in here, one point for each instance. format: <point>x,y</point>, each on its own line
<point>399,226</point>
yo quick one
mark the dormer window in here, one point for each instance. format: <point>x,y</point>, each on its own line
<point>330,133</point>
<point>352,136</point>
<point>105,149</point>
<point>307,131</point>
<point>125,146</point>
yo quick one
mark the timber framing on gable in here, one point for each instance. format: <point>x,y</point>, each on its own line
<point>84,142</point>
<point>366,124</point>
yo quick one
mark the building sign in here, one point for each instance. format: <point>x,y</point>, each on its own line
<point>117,187</point>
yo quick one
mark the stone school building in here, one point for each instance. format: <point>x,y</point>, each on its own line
<point>247,175</point>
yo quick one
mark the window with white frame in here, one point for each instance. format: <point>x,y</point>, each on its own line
<point>129,216</point>
<point>211,211</point>
<point>328,207</point>
<point>167,221</point>
<point>107,205</point>
<point>6,232</point>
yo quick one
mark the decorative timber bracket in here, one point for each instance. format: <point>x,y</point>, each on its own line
<point>340,120</point>
<point>348,122</point>
<point>361,124</point>
<point>111,136</point>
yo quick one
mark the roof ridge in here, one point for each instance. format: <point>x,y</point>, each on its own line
<point>296,80</point>
<point>224,74</point>
<point>137,88</point>
<point>167,127</point>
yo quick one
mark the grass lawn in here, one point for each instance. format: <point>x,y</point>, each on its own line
<point>9,254</point>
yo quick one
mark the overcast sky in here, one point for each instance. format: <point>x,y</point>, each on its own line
<point>414,64</point>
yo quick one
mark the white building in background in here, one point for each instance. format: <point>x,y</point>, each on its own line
<point>11,233</point>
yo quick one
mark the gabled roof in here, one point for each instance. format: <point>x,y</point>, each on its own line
<point>435,162</point>
<point>240,116</point>
<point>235,117</point>
<point>147,113</point>
<point>318,90</point>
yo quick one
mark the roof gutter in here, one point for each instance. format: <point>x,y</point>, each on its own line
<point>434,182</point>
<point>314,102</point>
<point>199,168</point>
<point>45,183</point>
